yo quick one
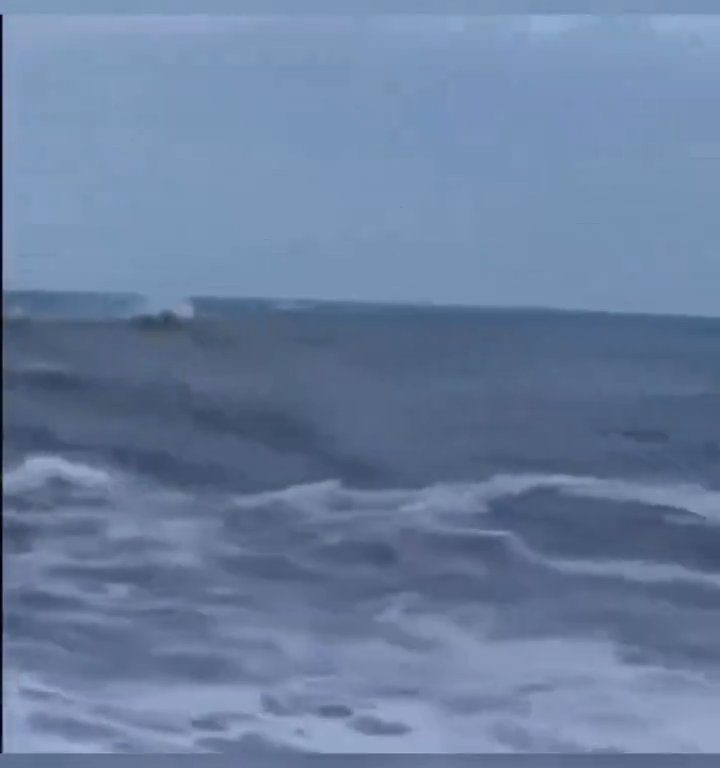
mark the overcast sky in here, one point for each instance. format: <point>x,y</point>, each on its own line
<point>555,161</point>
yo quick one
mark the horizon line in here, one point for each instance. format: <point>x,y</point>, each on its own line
<point>416,303</point>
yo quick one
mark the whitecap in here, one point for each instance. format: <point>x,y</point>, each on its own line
<point>683,496</point>
<point>695,499</point>
<point>37,471</point>
<point>636,571</point>
<point>332,496</point>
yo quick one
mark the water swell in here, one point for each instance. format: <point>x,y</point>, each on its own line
<point>448,498</point>
<point>436,516</point>
<point>38,471</point>
<point>41,375</point>
<point>518,550</point>
<point>396,585</point>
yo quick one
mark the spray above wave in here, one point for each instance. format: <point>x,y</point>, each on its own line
<point>164,313</point>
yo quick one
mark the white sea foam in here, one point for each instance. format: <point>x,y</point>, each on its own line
<point>429,507</point>
<point>690,498</point>
<point>475,695</point>
<point>476,497</point>
<point>36,471</point>
<point>476,691</point>
<point>695,499</point>
<point>636,571</point>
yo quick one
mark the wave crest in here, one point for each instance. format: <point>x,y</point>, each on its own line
<point>37,471</point>
<point>476,497</point>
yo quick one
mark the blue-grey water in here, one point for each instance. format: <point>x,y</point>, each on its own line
<point>359,529</point>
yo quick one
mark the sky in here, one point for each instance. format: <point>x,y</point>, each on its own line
<point>568,162</point>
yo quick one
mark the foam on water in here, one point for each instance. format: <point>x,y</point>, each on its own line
<point>562,596</point>
<point>692,498</point>
<point>316,498</point>
<point>416,677</point>
<point>475,695</point>
<point>634,571</point>
<point>36,471</point>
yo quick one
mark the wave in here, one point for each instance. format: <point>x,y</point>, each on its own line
<point>430,511</point>
<point>636,571</point>
<point>537,695</point>
<point>180,308</point>
<point>135,584</point>
<point>37,471</point>
<point>43,375</point>
<point>331,501</point>
<point>332,495</point>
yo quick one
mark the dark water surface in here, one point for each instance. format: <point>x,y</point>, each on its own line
<point>346,529</point>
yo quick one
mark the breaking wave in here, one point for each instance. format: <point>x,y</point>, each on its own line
<point>353,531</point>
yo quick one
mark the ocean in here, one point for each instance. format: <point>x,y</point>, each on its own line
<point>346,528</point>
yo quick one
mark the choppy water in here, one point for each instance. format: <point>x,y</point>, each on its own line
<point>329,529</point>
